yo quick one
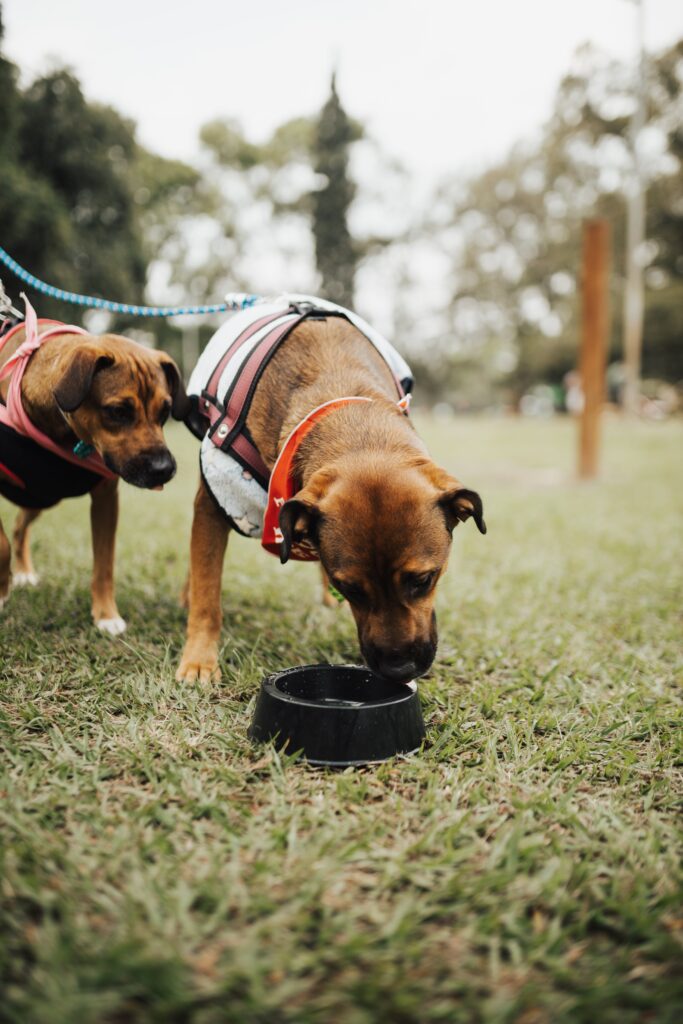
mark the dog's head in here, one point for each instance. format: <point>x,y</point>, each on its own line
<point>383,533</point>
<point>117,395</point>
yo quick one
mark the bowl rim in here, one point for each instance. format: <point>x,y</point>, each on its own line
<point>405,691</point>
<point>365,763</point>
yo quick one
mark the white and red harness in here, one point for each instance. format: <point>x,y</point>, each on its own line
<point>221,388</point>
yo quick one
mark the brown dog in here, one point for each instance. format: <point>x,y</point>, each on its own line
<point>376,509</point>
<point>111,395</point>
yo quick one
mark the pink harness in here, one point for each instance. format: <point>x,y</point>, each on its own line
<point>13,414</point>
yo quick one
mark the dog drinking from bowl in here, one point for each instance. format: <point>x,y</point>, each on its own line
<point>302,409</point>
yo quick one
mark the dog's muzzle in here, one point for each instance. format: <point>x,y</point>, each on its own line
<point>401,665</point>
<point>148,469</point>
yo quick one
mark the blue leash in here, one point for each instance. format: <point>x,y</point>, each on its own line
<point>233,301</point>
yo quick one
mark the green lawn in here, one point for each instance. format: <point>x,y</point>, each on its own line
<point>526,866</point>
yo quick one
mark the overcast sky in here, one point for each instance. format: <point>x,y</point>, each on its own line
<point>444,85</point>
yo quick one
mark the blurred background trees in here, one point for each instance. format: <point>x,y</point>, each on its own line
<point>275,212</point>
<point>81,203</point>
<point>335,251</point>
<point>477,283</point>
<point>511,235</point>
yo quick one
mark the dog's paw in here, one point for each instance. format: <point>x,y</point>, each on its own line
<point>195,666</point>
<point>115,626</point>
<point>25,579</point>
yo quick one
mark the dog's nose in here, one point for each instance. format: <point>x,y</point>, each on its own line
<point>149,469</point>
<point>397,667</point>
<point>160,466</point>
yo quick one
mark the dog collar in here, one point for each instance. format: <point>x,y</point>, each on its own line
<point>283,485</point>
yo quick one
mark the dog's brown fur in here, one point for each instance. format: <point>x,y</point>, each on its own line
<point>115,395</point>
<point>377,508</point>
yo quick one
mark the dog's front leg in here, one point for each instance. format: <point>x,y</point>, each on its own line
<point>24,573</point>
<point>5,573</point>
<point>104,514</point>
<point>207,551</point>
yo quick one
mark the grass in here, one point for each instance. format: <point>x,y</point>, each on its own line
<point>525,866</point>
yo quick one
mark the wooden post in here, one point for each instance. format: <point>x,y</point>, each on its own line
<point>594,329</point>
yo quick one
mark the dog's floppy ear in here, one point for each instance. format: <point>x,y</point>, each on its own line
<point>300,517</point>
<point>459,504</point>
<point>181,403</point>
<point>298,521</point>
<point>73,387</point>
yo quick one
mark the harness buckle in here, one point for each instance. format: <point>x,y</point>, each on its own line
<point>7,310</point>
<point>302,306</point>
<point>211,400</point>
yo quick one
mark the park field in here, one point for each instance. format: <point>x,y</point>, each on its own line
<point>524,867</point>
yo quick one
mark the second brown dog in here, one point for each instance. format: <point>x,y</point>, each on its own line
<point>107,394</point>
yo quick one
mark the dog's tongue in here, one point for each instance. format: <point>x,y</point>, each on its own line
<point>159,487</point>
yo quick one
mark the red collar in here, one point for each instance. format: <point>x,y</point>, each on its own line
<point>283,485</point>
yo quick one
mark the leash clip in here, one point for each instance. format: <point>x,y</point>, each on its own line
<point>7,310</point>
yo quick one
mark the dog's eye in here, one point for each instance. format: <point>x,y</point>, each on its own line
<point>419,584</point>
<point>119,415</point>
<point>163,415</point>
<point>353,593</point>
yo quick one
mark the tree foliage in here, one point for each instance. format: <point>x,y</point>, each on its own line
<point>335,252</point>
<point>512,235</point>
<point>82,203</point>
<point>275,213</point>
<point>482,291</point>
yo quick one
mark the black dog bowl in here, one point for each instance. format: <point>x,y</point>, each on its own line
<point>338,714</point>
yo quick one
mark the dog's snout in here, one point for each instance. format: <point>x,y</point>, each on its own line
<point>161,464</point>
<point>397,667</point>
<point>400,664</point>
<point>151,468</point>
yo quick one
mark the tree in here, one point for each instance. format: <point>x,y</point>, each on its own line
<point>512,235</point>
<point>83,152</point>
<point>267,224</point>
<point>35,224</point>
<point>335,253</point>
<point>83,205</point>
